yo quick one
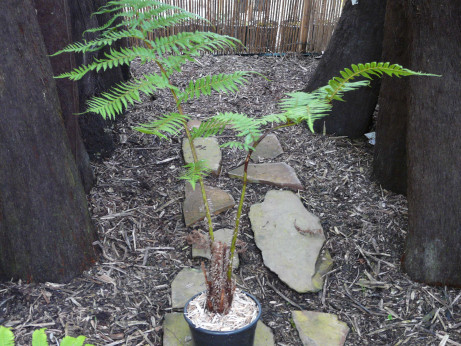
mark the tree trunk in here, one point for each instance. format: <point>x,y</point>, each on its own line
<point>54,20</point>
<point>433,248</point>
<point>357,39</point>
<point>98,140</point>
<point>389,164</point>
<point>46,232</point>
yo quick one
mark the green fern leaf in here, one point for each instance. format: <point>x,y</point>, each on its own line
<point>221,83</point>
<point>112,102</point>
<point>6,337</point>
<point>337,86</point>
<point>71,341</point>
<point>39,337</point>
<point>211,127</point>
<point>241,123</point>
<point>194,172</point>
<point>169,124</point>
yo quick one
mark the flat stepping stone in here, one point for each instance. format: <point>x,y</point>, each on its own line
<point>176,332</point>
<point>188,282</point>
<point>268,148</point>
<point>277,174</point>
<point>320,329</point>
<point>207,150</point>
<point>194,208</point>
<point>223,235</point>
<point>290,239</point>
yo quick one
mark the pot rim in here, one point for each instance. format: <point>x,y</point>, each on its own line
<point>227,332</point>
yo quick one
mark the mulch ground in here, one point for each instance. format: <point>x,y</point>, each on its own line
<point>136,206</point>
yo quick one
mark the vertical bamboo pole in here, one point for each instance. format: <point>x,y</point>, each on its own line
<point>304,26</point>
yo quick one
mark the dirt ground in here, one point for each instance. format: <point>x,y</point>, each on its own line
<point>136,206</point>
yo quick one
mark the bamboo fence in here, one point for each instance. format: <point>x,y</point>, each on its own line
<point>263,26</point>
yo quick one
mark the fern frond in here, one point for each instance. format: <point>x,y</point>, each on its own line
<point>300,106</point>
<point>169,124</point>
<point>6,336</point>
<point>241,123</point>
<point>105,40</point>
<point>211,127</point>
<point>195,171</point>
<point>338,85</point>
<point>273,118</point>
<point>113,59</point>
<point>200,42</point>
<point>221,83</point>
<point>112,102</point>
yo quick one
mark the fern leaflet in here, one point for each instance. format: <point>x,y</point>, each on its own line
<point>195,171</point>
<point>169,124</point>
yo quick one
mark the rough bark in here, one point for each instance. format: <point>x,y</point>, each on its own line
<point>389,164</point>
<point>55,23</point>
<point>356,39</point>
<point>96,133</point>
<point>433,248</point>
<point>46,232</point>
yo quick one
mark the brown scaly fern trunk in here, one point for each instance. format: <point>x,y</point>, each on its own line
<point>220,289</point>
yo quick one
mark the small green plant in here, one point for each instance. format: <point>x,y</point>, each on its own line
<point>139,18</point>
<point>39,338</point>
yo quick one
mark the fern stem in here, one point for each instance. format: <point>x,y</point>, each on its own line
<point>194,155</point>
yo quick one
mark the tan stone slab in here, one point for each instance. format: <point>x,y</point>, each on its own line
<point>277,174</point>
<point>269,148</point>
<point>194,208</point>
<point>187,283</point>
<point>207,149</point>
<point>320,329</point>
<point>176,332</point>
<point>290,239</point>
<point>223,235</point>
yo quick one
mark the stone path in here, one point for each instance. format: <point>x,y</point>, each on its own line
<point>320,329</point>
<point>188,282</point>
<point>194,208</point>
<point>277,174</point>
<point>290,239</point>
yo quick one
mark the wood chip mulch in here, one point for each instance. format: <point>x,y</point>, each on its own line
<point>136,205</point>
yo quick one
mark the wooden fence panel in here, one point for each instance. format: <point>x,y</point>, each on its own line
<point>264,26</point>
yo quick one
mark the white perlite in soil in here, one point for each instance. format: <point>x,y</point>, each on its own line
<point>243,311</point>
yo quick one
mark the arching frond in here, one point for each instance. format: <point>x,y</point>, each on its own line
<point>167,125</point>
<point>113,59</point>
<point>106,40</point>
<point>221,82</point>
<point>338,85</point>
<point>195,171</point>
<point>112,102</point>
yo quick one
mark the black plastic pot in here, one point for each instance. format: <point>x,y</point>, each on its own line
<point>241,337</point>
